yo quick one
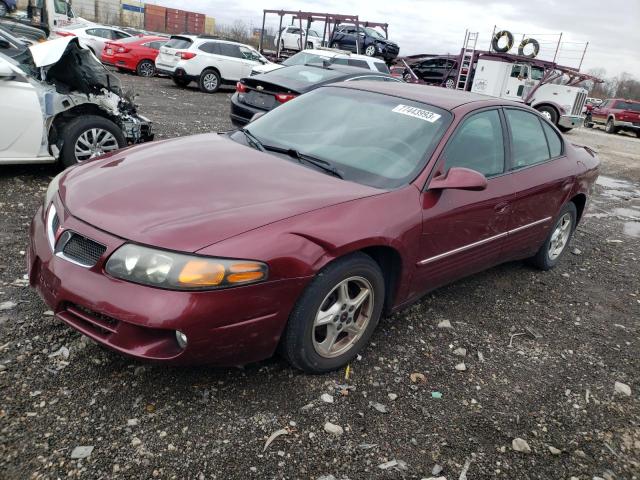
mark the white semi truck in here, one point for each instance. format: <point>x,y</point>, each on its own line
<point>530,82</point>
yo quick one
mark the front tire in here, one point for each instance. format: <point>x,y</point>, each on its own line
<point>610,127</point>
<point>335,316</point>
<point>558,240</point>
<point>209,81</point>
<point>549,113</point>
<point>87,137</point>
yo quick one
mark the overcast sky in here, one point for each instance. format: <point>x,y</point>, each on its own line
<point>612,27</point>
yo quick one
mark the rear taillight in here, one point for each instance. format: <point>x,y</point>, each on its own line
<point>65,34</point>
<point>285,97</point>
<point>123,50</point>
<point>185,55</point>
<point>241,87</point>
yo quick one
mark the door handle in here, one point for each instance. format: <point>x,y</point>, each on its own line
<point>501,207</point>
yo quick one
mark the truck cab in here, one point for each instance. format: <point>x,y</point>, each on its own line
<point>525,82</point>
<point>50,15</point>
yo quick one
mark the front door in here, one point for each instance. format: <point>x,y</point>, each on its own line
<point>464,231</point>
<point>514,87</point>
<point>21,116</point>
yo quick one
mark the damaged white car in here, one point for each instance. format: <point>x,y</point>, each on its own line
<point>58,102</point>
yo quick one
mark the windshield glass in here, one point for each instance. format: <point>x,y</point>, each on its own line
<point>302,58</point>
<point>537,73</point>
<point>370,138</point>
<point>374,33</point>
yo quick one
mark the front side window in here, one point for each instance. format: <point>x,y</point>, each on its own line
<point>249,54</point>
<point>209,47</point>
<point>528,141</point>
<point>116,35</point>
<point>60,6</point>
<point>345,131</point>
<point>477,144</point>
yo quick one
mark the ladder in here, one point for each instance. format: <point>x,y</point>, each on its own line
<point>466,62</point>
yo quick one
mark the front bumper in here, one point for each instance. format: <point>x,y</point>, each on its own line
<point>136,128</point>
<point>225,327</point>
<point>570,121</point>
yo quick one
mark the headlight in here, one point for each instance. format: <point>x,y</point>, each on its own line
<point>52,189</point>
<point>380,47</point>
<point>177,271</point>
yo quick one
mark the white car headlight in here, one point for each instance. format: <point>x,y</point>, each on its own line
<point>178,271</point>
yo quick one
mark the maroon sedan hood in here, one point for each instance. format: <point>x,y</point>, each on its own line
<point>187,193</point>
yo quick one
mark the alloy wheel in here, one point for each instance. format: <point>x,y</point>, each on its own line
<point>210,81</point>
<point>546,115</point>
<point>450,83</point>
<point>146,69</point>
<point>343,317</point>
<point>370,51</point>
<point>560,237</point>
<point>93,143</point>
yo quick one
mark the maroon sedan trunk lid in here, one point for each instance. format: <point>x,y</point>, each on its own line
<point>188,193</point>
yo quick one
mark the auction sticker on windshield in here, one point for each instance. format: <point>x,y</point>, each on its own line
<point>415,112</point>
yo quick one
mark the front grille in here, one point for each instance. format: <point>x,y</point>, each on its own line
<point>100,323</point>
<point>80,249</point>
<point>578,104</point>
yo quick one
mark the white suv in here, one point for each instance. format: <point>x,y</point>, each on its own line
<point>334,56</point>
<point>289,38</point>
<point>206,60</point>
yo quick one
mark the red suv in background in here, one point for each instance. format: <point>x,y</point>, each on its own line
<point>135,54</point>
<point>616,114</point>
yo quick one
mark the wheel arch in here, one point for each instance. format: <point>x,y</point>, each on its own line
<point>580,201</point>
<point>214,69</point>
<point>62,118</point>
<point>390,262</point>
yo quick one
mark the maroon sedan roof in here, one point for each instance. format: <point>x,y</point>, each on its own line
<point>445,98</point>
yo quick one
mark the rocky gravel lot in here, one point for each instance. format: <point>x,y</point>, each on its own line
<point>509,374</point>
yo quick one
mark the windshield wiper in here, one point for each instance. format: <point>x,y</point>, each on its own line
<point>293,153</point>
<point>303,157</point>
<point>252,138</point>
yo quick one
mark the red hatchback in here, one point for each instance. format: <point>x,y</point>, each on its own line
<point>300,231</point>
<point>135,54</point>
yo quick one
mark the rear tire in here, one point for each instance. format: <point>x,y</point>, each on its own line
<point>303,343</point>
<point>109,138</point>
<point>564,129</point>
<point>450,83</point>
<point>209,81</point>
<point>3,9</point>
<point>146,68</point>
<point>558,240</point>
<point>181,82</point>
<point>610,127</point>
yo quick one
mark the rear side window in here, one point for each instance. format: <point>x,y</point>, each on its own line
<point>178,42</point>
<point>358,63</point>
<point>118,35</point>
<point>553,139</point>
<point>477,144</point>
<point>230,50</point>
<point>382,67</point>
<point>528,141</point>
<point>210,47</point>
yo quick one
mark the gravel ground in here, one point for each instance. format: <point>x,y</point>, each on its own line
<point>542,352</point>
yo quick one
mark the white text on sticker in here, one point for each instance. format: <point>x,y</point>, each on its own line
<point>415,112</point>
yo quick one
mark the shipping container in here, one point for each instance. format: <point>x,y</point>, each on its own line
<point>132,14</point>
<point>155,18</point>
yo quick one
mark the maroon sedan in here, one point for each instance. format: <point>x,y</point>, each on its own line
<point>301,230</point>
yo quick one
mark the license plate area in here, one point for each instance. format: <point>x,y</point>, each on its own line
<point>260,100</point>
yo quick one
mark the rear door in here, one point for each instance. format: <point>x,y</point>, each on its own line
<point>464,231</point>
<point>427,70</point>
<point>544,179</point>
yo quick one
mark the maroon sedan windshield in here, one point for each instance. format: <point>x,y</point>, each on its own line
<point>370,138</point>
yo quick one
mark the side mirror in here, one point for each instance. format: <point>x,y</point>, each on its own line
<point>459,178</point>
<point>257,116</point>
<point>6,73</point>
